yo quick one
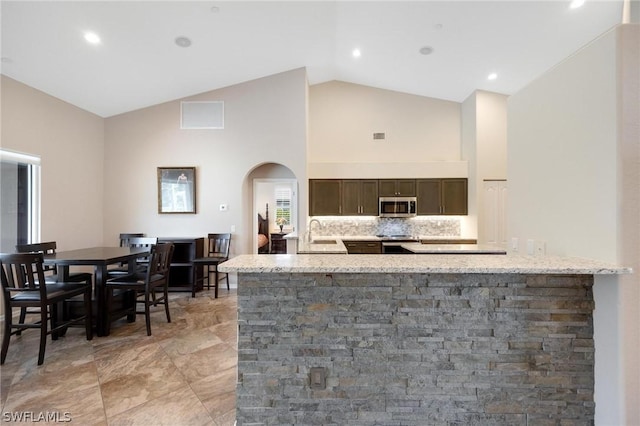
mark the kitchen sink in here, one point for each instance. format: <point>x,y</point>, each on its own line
<point>324,242</point>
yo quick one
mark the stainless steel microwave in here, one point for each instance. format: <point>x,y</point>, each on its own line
<point>397,206</point>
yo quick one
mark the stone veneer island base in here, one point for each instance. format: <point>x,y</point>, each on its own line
<point>415,339</point>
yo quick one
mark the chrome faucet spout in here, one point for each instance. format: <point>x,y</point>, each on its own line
<point>309,227</point>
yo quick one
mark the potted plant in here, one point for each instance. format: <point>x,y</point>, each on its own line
<point>281,221</point>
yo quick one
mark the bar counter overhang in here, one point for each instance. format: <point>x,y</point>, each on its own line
<point>416,339</point>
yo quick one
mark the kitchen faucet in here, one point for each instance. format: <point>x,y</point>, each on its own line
<point>309,228</point>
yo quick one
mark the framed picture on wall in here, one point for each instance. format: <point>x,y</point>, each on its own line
<point>176,190</point>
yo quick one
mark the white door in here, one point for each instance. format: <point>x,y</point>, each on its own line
<point>494,217</point>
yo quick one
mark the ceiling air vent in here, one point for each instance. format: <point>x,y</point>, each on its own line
<point>378,136</point>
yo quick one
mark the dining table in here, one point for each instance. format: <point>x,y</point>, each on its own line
<point>100,258</point>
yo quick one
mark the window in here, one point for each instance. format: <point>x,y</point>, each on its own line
<point>283,204</point>
<point>20,199</point>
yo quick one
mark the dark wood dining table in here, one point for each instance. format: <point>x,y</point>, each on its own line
<point>99,258</point>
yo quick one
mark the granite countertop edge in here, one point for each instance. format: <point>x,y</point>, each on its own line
<point>416,263</point>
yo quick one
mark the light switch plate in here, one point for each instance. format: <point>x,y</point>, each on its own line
<point>530,247</point>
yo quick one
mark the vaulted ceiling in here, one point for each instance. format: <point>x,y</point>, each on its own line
<point>138,63</point>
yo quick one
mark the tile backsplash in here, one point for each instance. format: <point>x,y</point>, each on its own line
<point>356,226</point>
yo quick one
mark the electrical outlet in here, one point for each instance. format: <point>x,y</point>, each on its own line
<point>318,378</point>
<point>540,248</point>
<point>514,244</point>
<point>233,228</point>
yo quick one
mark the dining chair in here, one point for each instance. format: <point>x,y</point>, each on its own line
<point>50,273</point>
<point>217,252</point>
<point>50,270</point>
<point>145,283</point>
<point>132,240</point>
<point>23,286</point>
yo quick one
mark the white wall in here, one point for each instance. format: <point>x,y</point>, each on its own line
<point>484,147</point>
<point>264,123</point>
<point>629,202</point>
<point>563,166</point>
<point>70,143</point>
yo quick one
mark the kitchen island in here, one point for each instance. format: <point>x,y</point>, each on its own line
<point>414,339</point>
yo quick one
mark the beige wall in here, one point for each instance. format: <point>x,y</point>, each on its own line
<point>265,122</point>
<point>564,167</point>
<point>344,116</point>
<point>70,143</point>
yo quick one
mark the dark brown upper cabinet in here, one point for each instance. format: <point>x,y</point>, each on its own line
<point>442,196</point>
<point>397,188</point>
<point>360,197</point>
<point>325,197</point>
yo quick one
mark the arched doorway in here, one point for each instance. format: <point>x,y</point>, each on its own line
<point>274,187</point>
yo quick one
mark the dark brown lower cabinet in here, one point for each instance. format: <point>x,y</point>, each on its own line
<point>363,247</point>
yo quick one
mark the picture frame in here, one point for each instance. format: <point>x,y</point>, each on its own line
<point>176,190</point>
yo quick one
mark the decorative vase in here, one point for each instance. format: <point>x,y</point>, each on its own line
<point>280,228</point>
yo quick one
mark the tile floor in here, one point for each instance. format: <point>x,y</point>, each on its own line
<point>184,374</point>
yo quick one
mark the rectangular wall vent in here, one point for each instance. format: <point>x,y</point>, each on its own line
<point>378,136</point>
<point>202,115</point>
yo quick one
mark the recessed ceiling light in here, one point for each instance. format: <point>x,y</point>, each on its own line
<point>426,50</point>
<point>92,38</point>
<point>492,76</point>
<point>183,41</point>
<point>356,53</point>
<point>576,4</point>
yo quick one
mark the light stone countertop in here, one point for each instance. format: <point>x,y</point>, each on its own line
<point>330,246</point>
<point>317,247</point>
<point>417,263</point>
<point>420,248</point>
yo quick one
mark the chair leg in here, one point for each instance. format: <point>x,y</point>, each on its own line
<point>166,302</point>
<point>23,316</point>
<point>194,280</point>
<point>108,303</point>
<point>88,314</point>
<point>216,284</point>
<point>43,334</point>
<point>147,314</point>
<point>7,334</point>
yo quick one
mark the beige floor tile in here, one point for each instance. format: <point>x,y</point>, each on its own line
<point>184,374</point>
<point>180,407</point>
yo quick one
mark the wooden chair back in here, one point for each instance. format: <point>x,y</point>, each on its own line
<point>22,272</point>
<point>160,261</point>
<point>142,241</point>
<point>219,245</point>
<point>124,238</point>
<point>48,247</point>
